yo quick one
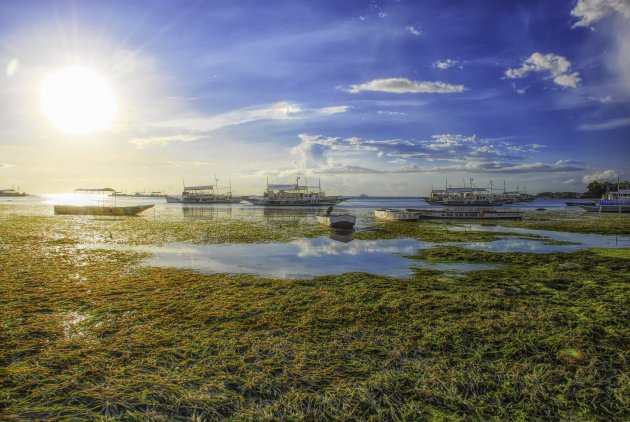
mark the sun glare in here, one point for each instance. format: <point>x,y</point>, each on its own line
<point>77,100</point>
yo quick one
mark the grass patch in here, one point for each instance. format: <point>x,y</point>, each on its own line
<point>92,335</point>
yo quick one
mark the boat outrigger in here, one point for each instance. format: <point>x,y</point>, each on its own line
<point>293,196</point>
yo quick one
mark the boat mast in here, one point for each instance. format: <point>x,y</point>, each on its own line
<point>216,184</point>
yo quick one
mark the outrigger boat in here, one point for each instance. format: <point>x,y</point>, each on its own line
<point>396,215</point>
<point>207,194</point>
<point>466,214</point>
<point>293,196</point>
<point>99,209</point>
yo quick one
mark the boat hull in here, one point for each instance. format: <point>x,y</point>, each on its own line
<point>337,221</point>
<point>201,201</point>
<point>396,215</point>
<point>579,204</point>
<point>99,210</point>
<point>310,202</point>
<point>470,214</point>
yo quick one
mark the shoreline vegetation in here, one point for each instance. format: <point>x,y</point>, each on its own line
<point>93,334</point>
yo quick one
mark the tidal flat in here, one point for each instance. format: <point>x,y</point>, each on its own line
<point>94,334</point>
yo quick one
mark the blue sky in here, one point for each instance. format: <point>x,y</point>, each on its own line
<point>381,97</point>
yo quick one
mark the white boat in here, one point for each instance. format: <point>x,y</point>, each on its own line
<point>467,214</point>
<point>337,221</point>
<point>293,196</point>
<point>396,215</point>
<point>206,194</point>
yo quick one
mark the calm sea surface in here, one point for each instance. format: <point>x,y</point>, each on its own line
<point>363,208</point>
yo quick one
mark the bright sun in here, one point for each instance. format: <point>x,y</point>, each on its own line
<point>77,100</point>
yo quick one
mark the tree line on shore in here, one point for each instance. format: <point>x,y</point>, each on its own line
<point>595,189</point>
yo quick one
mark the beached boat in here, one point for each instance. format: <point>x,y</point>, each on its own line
<point>100,210</point>
<point>293,196</point>
<point>396,215</point>
<point>207,194</point>
<point>337,221</point>
<point>466,214</point>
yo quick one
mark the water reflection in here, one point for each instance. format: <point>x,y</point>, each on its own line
<point>344,236</point>
<point>544,241</point>
<point>304,258</point>
<point>207,212</point>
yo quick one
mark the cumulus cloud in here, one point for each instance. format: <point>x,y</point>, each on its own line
<point>609,124</point>
<point>445,64</point>
<point>413,30</point>
<point>406,86</point>
<point>557,66</point>
<point>599,175</point>
<point>590,11</point>
<point>320,154</point>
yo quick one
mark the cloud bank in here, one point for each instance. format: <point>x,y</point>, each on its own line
<point>335,155</point>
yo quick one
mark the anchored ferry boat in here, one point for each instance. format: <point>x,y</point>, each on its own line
<point>293,196</point>
<point>207,194</point>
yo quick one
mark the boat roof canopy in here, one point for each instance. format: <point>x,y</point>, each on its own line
<point>95,190</point>
<point>287,187</point>
<point>460,190</point>
<point>206,187</point>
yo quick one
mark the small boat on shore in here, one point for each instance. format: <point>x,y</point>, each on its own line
<point>396,215</point>
<point>100,210</point>
<point>109,210</point>
<point>337,221</point>
<point>466,214</point>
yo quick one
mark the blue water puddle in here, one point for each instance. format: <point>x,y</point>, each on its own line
<point>304,258</point>
<point>540,244</point>
<point>340,253</point>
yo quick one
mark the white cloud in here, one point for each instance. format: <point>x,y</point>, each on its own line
<point>558,66</point>
<point>5,165</point>
<point>278,111</point>
<point>445,64</point>
<point>600,175</point>
<point>404,86</point>
<point>568,182</point>
<point>163,140</point>
<point>413,30</point>
<point>590,11</point>
<point>391,113</point>
<point>610,124</point>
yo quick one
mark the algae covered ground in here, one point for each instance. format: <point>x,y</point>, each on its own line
<point>91,334</point>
